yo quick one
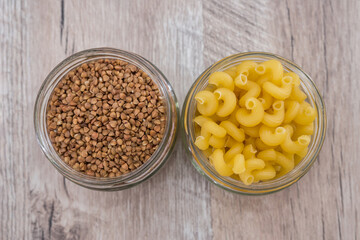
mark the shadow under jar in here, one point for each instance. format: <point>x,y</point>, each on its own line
<point>149,167</point>
<point>201,162</point>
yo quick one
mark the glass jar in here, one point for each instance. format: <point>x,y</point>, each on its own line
<point>202,164</point>
<point>145,171</point>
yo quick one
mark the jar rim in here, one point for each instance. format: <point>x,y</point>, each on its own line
<point>147,169</point>
<point>202,164</point>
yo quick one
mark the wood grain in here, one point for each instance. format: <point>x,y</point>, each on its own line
<point>182,38</point>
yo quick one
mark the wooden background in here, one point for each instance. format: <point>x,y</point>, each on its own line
<point>182,38</point>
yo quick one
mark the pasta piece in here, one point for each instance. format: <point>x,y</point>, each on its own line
<point>274,156</point>
<point>250,140</point>
<point>222,80</point>
<point>266,99</point>
<point>290,146</point>
<point>277,92</point>
<point>306,114</point>
<point>267,173</point>
<point>202,143</point>
<point>275,119</point>
<point>252,88</point>
<point>297,95</point>
<point>208,152</point>
<point>295,77</point>
<point>252,114</point>
<point>250,165</point>
<point>303,153</point>
<point>274,69</point>
<point>231,71</point>
<point>217,142</point>
<point>272,136</point>
<point>297,159</point>
<point>200,120</point>
<point>245,68</point>
<point>214,129</point>
<point>232,117</point>
<point>261,145</point>
<point>230,142</point>
<point>292,109</point>
<point>249,151</point>
<point>303,130</point>
<point>217,159</point>
<point>261,80</point>
<point>229,101</point>
<point>252,131</point>
<point>207,104</point>
<point>235,149</point>
<point>231,129</point>
<point>238,164</point>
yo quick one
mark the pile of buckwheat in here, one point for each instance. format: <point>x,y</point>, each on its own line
<point>106,118</point>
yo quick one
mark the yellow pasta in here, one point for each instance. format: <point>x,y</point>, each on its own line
<point>222,79</point>
<point>290,146</point>
<point>230,142</point>
<point>297,95</point>
<point>266,100</point>
<point>235,149</point>
<point>214,129</point>
<point>208,152</point>
<point>252,88</point>
<point>228,103</point>
<point>246,67</point>
<point>272,136</point>
<point>229,156</point>
<point>232,117</point>
<point>252,114</point>
<point>250,140</point>
<point>250,165</point>
<point>303,130</point>
<point>207,104</point>
<point>231,71</point>
<point>277,92</point>
<point>277,117</point>
<point>252,131</point>
<point>291,110</point>
<point>238,163</point>
<point>267,173</point>
<point>217,159</point>
<point>306,114</point>
<point>278,158</point>
<point>274,68</point>
<point>235,132</point>
<point>249,151</point>
<point>216,142</point>
<point>295,77</point>
<point>260,145</point>
<point>253,123</point>
<point>200,120</point>
<point>202,143</point>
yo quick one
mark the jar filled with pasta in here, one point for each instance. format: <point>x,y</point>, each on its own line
<point>254,123</point>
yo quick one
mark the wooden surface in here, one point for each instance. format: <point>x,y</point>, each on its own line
<point>182,38</point>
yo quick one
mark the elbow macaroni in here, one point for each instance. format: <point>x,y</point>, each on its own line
<point>252,114</point>
<point>229,101</point>
<point>277,117</point>
<point>253,123</point>
<point>277,92</point>
<point>222,79</point>
<point>207,104</point>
